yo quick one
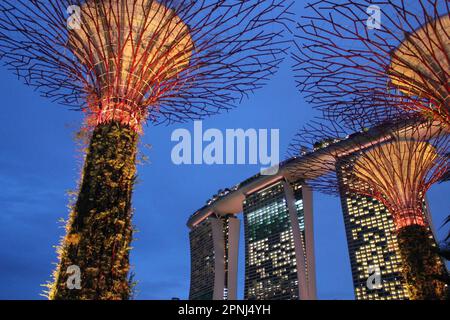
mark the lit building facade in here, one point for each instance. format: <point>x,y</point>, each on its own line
<point>214,258</point>
<point>372,244</point>
<point>279,257</point>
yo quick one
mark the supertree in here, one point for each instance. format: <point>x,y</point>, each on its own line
<point>394,163</point>
<point>376,58</point>
<point>125,63</point>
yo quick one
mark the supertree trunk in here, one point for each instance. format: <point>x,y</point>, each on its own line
<point>422,266</point>
<point>99,231</point>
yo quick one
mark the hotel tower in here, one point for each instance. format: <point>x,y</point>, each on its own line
<point>279,256</point>
<point>279,242</point>
<point>214,258</point>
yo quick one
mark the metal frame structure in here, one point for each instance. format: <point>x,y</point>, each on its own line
<point>375,59</point>
<point>126,63</point>
<point>132,60</point>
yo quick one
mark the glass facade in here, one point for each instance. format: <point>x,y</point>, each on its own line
<point>271,264</point>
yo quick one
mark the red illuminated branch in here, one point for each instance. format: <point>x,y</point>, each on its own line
<point>137,60</point>
<point>349,70</point>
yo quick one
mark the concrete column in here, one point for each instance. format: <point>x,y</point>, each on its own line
<point>298,242</point>
<point>218,227</point>
<point>309,238</point>
<point>219,254</point>
<point>233,256</point>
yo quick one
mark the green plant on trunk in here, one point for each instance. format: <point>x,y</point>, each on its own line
<point>99,231</point>
<point>126,63</point>
<point>421,263</point>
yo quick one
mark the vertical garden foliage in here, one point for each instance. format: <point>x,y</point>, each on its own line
<point>99,231</point>
<point>172,61</point>
<point>421,264</point>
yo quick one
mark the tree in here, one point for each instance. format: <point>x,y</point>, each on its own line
<point>395,163</point>
<point>125,63</point>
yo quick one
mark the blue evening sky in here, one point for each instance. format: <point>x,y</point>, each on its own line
<point>40,162</point>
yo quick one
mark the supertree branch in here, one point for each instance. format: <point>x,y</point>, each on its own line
<point>349,63</point>
<point>125,63</point>
<point>394,163</point>
<point>136,60</point>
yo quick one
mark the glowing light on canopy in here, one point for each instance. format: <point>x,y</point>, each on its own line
<point>352,71</point>
<point>396,173</point>
<point>128,48</point>
<point>420,66</point>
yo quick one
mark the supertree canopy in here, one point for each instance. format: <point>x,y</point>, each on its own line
<point>169,60</point>
<point>394,163</point>
<point>132,62</point>
<point>398,172</point>
<point>126,63</point>
<point>376,58</point>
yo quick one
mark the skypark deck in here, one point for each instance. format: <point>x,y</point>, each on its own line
<point>301,167</point>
